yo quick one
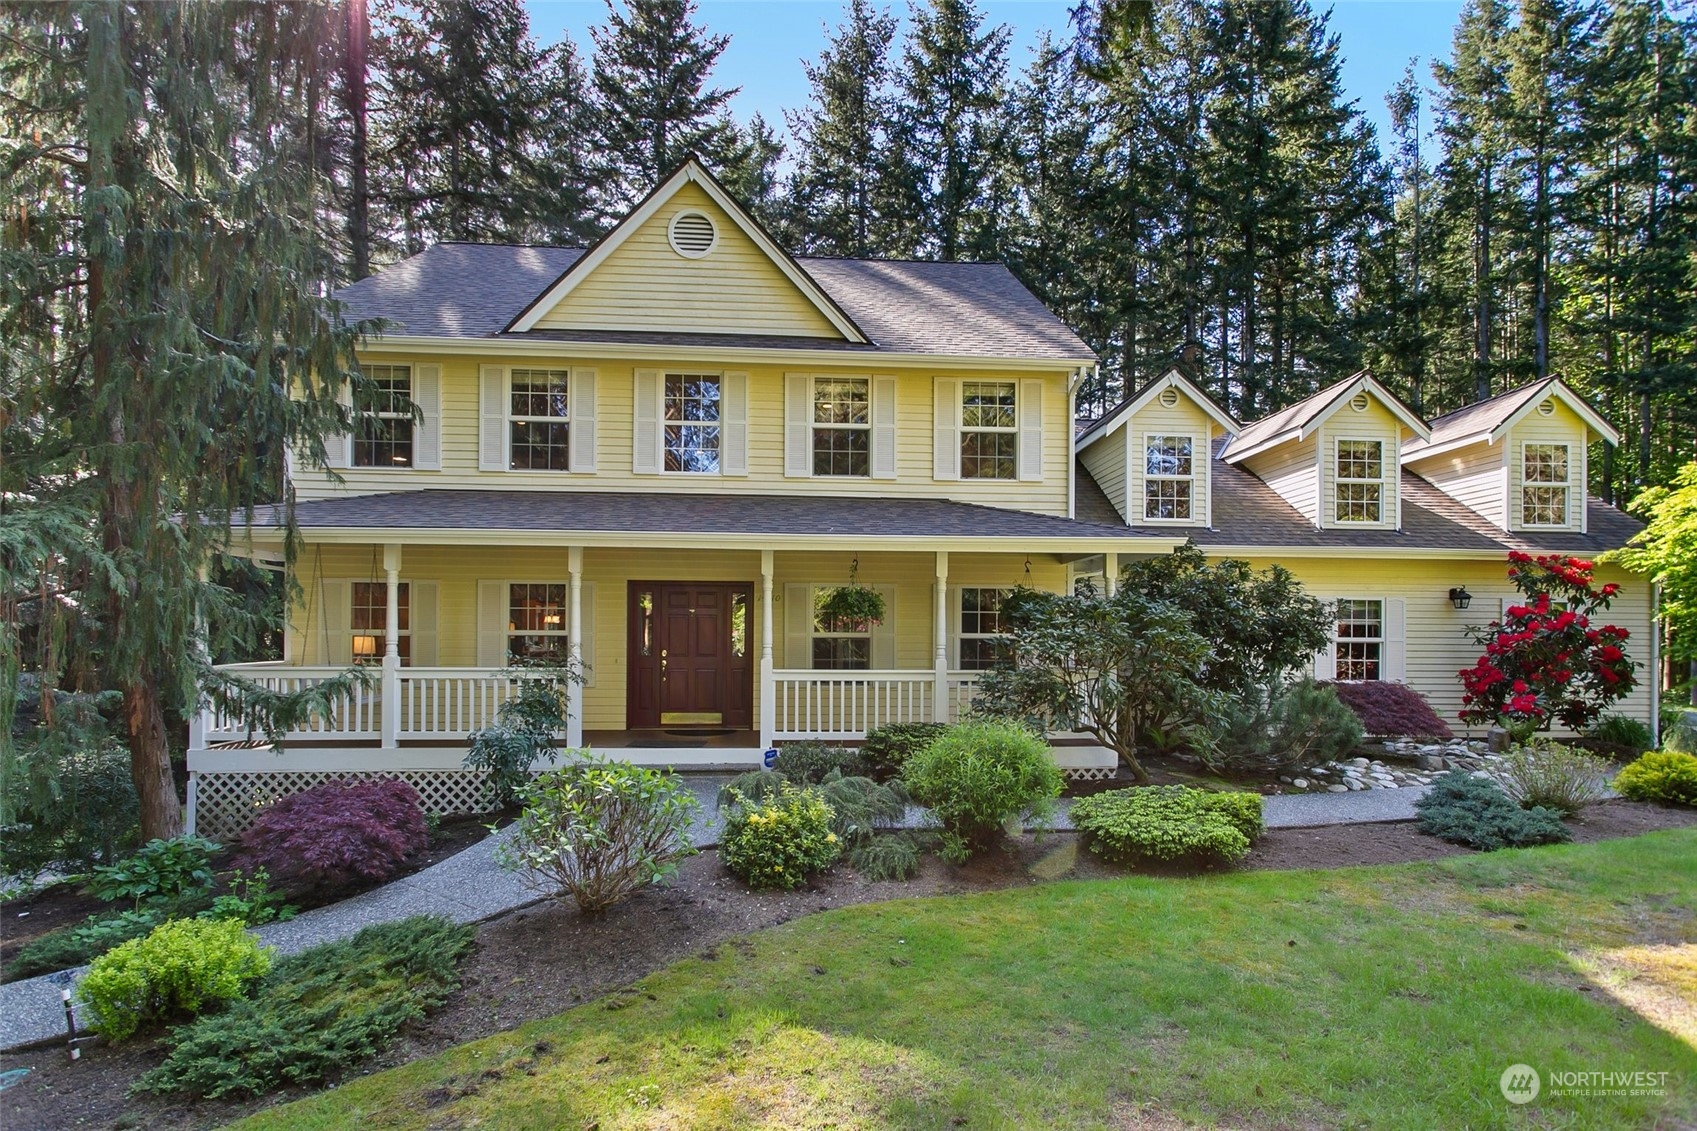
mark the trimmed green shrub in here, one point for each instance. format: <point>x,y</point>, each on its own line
<point>1552,775</point>
<point>1268,732</point>
<point>980,777</point>
<point>1169,822</point>
<point>178,969</point>
<point>889,856</point>
<point>809,763</point>
<point>1475,812</point>
<point>161,871</point>
<point>318,1012</point>
<point>1619,730</point>
<point>781,841</point>
<point>1662,776</point>
<point>886,750</point>
<point>600,831</point>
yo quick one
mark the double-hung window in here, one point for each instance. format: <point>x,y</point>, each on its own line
<point>1360,480</point>
<point>981,627</point>
<point>1545,485</point>
<point>692,403</point>
<point>838,643</point>
<point>539,419</point>
<point>383,433</point>
<point>1169,477</point>
<point>1360,635</point>
<point>989,430</point>
<point>842,426</point>
<point>536,622</point>
<point>369,621</point>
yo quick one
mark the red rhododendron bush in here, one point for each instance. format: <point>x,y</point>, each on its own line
<point>1545,661</point>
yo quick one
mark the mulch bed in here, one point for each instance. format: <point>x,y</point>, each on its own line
<point>540,960</point>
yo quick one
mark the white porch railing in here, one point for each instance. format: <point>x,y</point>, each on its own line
<point>839,706</point>
<point>450,702</point>
<point>357,714</point>
<point>963,689</point>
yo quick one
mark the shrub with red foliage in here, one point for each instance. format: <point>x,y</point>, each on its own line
<point>1391,710</point>
<point>337,833</point>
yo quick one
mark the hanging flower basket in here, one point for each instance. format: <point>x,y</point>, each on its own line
<point>852,604</point>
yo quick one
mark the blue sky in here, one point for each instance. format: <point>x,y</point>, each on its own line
<point>769,38</point>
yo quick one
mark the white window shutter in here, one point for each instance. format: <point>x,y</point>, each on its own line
<point>733,425</point>
<point>945,453</point>
<point>427,438</point>
<point>798,426</point>
<point>422,619</point>
<point>1031,430</point>
<point>587,635</point>
<point>492,425</point>
<point>798,627</point>
<point>883,427</point>
<point>492,613</point>
<point>338,445</point>
<point>581,433</point>
<point>1326,659</point>
<point>335,604</point>
<point>884,632</point>
<point>646,439</point>
<point>1393,654</point>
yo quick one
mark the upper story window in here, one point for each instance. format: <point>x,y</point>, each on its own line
<point>692,402</point>
<point>383,436</point>
<point>989,436</point>
<point>1545,485</point>
<point>837,643</point>
<point>536,622</point>
<point>842,426</point>
<point>369,621</point>
<point>1360,636</point>
<point>981,627</point>
<point>1360,480</point>
<point>538,420</point>
<point>1169,477</point>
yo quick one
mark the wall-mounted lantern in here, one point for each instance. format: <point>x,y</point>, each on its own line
<point>1460,597</point>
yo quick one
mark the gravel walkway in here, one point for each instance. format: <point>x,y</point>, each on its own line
<point>470,887</point>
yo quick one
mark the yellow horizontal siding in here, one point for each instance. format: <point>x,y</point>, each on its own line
<point>1373,423</point>
<point>1185,418</point>
<point>1472,475</point>
<point>1290,470</point>
<point>1106,460</point>
<point>1563,426</point>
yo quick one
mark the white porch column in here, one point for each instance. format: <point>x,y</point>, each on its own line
<point>940,641</point>
<point>768,684</point>
<point>392,646</point>
<point>574,649</point>
<point>1110,573</point>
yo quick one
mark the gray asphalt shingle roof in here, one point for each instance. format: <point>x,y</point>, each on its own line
<point>458,290</point>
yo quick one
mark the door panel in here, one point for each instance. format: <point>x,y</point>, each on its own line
<point>690,663</point>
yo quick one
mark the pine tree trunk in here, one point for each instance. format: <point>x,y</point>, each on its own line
<point>1541,252</point>
<point>1482,295</point>
<point>150,761</point>
<point>359,205</point>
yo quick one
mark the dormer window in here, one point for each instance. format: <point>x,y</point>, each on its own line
<point>1545,485</point>
<point>1360,480</point>
<point>1169,479</point>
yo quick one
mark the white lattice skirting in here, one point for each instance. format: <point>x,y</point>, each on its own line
<point>223,804</point>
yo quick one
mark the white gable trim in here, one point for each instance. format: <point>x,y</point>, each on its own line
<point>1171,379</point>
<point>1362,383</point>
<point>1557,390</point>
<point>690,172</point>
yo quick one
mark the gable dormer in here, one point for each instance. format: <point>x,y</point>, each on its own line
<point>1152,454</point>
<point>1335,457</point>
<point>689,259</point>
<point>1518,459</point>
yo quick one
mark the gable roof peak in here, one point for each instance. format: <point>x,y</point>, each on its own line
<point>1173,376</point>
<point>1489,420</point>
<point>1294,422</point>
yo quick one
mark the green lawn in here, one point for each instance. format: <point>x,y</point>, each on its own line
<point>1374,998</point>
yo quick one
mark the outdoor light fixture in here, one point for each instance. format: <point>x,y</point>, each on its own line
<point>1460,597</point>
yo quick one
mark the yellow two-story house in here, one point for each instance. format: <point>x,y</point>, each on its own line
<point>654,456</point>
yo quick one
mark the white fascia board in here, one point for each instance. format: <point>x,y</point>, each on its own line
<point>1172,379</point>
<point>1558,390</point>
<point>1430,451</point>
<point>1367,383</point>
<point>1271,442</point>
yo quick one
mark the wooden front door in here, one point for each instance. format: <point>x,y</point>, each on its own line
<point>690,659</point>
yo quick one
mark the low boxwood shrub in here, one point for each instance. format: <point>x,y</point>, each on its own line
<point>781,841</point>
<point>1552,775</point>
<point>809,763</point>
<point>321,1011</point>
<point>1662,776</point>
<point>1388,709</point>
<point>338,833</point>
<point>886,750</point>
<point>1475,812</point>
<point>161,871</point>
<point>1619,730</point>
<point>1169,822</point>
<point>978,778</point>
<point>599,831</point>
<point>176,970</point>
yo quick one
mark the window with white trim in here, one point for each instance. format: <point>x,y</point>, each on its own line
<point>1545,484</point>
<point>539,420</point>
<point>989,430</point>
<point>842,426</point>
<point>837,643</point>
<point>536,622</point>
<point>1360,480</point>
<point>369,620</point>
<point>981,627</point>
<point>692,402</point>
<point>1169,477</point>
<point>1360,636</point>
<point>383,432</point>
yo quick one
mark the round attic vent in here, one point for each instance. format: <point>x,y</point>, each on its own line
<point>1359,402</point>
<point>1546,408</point>
<point>692,234</point>
<point>1169,398</point>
